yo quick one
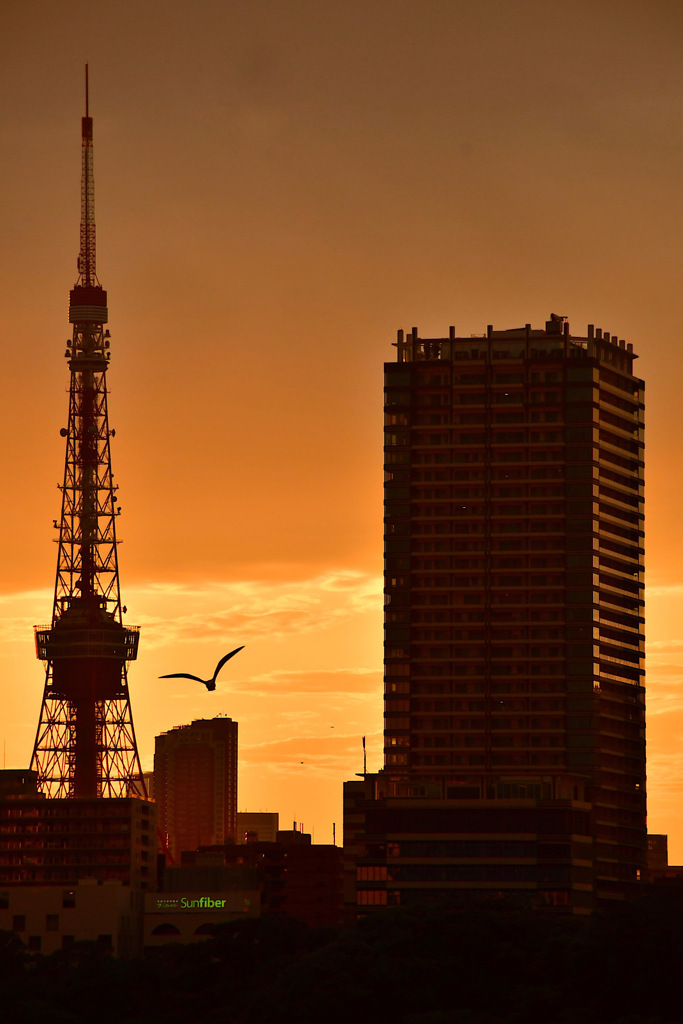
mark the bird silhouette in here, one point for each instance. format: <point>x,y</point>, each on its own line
<point>210,684</point>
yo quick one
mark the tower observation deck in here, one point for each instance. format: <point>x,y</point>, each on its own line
<point>85,743</point>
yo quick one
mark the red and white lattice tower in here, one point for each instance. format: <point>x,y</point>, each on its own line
<point>85,743</point>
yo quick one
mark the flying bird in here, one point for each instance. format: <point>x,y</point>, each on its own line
<point>210,684</point>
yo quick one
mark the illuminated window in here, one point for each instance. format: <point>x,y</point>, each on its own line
<point>371,873</point>
<point>371,898</point>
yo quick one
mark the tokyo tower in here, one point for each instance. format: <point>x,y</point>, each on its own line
<point>85,744</point>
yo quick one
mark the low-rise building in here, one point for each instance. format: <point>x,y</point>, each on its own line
<point>193,915</point>
<point>257,826</point>
<point>525,841</point>
<point>50,917</point>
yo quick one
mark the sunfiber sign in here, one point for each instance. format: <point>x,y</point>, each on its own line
<point>195,903</point>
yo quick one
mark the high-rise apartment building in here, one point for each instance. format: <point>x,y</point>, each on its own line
<point>195,785</point>
<point>514,601</point>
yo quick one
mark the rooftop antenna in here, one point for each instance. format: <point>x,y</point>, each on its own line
<point>365,762</point>
<point>85,742</point>
<point>87,257</point>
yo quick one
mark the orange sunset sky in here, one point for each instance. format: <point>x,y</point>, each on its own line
<point>279,187</point>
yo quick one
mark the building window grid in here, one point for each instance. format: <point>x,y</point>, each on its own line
<point>617,510</point>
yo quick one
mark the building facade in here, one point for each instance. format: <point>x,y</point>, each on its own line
<point>62,841</point>
<point>294,876</point>
<point>195,785</point>
<point>257,826</point>
<point>49,918</point>
<point>514,585</point>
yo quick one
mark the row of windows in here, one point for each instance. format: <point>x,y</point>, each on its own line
<point>495,456</point>
<point>474,523</point>
<point>619,422</point>
<point>489,372</point>
<point>53,835</point>
<point>491,436</point>
<point>445,706</point>
<point>495,689</point>
<point>510,759</point>
<point>420,653</point>
<point>502,504</point>
<point>522,543</point>
<point>460,419</point>
<point>450,585</point>
<point>421,397</point>
<point>500,460</point>
<point>469,380</point>
<point>496,673</point>
<point>500,613</point>
<point>479,848</point>
<point>400,518</point>
<point>71,859</point>
<point>60,875</point>
<point>371,898</point>
<point>495,721</point>
<point>420,549</point>
<point>478,742</point>
<point>496,563</point>
<point>417,476</point>
<point>463,598</point>
<point>478,873</point>
<point>495,649</point>
<point>496,633</point>
<point>498,490</point>
<point>35,942</point>
<point>84,819</point>
<point>621,444</point>
<point>68,902</point>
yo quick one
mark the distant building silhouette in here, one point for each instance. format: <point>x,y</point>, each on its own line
<point>257,826</point>
<point>514,699</point>
<point>195,785</point>
<point>288,876</point>
<point>657,852</point>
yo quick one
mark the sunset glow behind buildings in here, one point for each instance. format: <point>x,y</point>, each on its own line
<point>279,188</point>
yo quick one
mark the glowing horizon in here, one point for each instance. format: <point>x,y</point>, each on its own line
<point>278,190</point>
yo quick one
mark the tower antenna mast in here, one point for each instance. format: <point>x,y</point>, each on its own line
<point>85,744</point>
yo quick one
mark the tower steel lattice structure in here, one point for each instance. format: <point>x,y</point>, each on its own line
<point>85,743</point>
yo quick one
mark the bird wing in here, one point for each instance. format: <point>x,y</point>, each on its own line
<point>227,657</point>
<point>181,675</point>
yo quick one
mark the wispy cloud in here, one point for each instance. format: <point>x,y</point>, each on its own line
<point>20,612</point>
<point>334,755</point>
<point>664,590</point>
<point>655,647</point>
<point>665,771</point>
<point>337,681</point>
<point>664,676</point>
<point>250,609</point>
